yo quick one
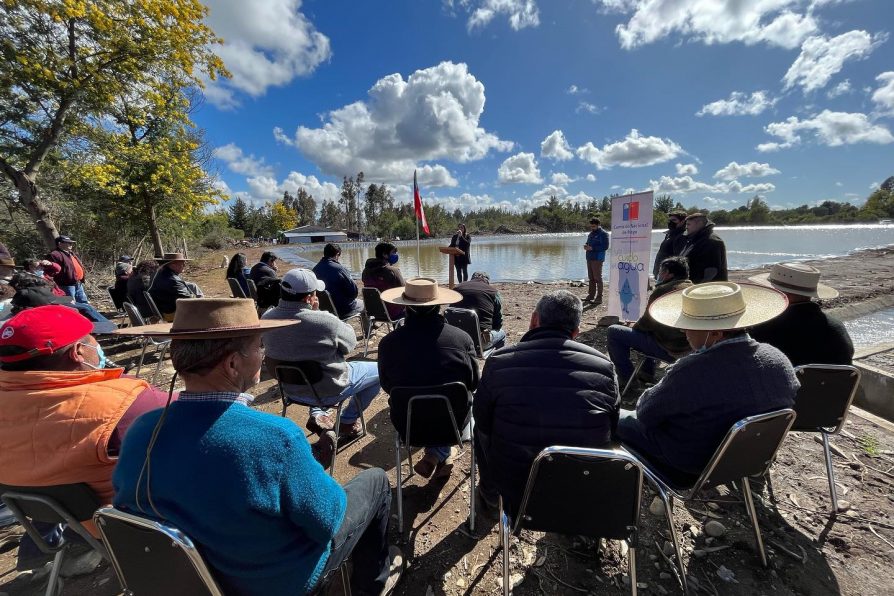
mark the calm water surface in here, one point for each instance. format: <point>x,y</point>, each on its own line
<point>872,329</point>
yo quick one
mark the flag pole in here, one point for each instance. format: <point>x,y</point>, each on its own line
<point>418,251</point>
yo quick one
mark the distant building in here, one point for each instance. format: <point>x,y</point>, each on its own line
<point>311,234</point>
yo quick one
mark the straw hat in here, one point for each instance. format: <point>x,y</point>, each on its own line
<point>170,257</point>
<point>421,291</point>
<point>796,278</point>
<point>210,318</point>
<point>718,306</point>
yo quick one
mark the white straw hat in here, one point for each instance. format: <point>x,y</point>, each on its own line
<point>718,306</point>
<point>796,278</point>
<point>421,291</point>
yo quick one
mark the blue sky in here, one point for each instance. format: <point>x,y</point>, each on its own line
<point>506,102</point>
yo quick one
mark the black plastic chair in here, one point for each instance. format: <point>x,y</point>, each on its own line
<point>161,346</point>
<point>252,290</point>
<point>327,304</point>
<point>236,288</point>
<point>151,557</point>
<point>822,404</point>
<point>430,416</point>
<point>467,320</point>
<point>308,373</point>
<point>117,301</point>
<point>68,504</point>
<point>579,491</point>
<point>153,307</point>
<point>375,312</point>
<point>748,449</point>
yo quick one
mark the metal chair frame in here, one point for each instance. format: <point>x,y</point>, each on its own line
<point>508,528</point>
<point>252,290</point>
<point>153,307</point>
<point>327,304</point>
<point>161,346</point>
<point>639,366</point>
<point>476,337</point>
<point>236,288</point>
<point>373,296</point>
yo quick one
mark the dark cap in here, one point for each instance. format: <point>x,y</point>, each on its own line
<point>64,239</point>
<point>125,259</point>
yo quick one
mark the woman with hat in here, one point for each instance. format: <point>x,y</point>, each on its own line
<point>804,332</point>
<point>679,422</point>
<point>240,482</point>
<point>167,286</point>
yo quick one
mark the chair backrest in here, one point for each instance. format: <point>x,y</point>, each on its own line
<point>582,491</point>
<point>133,315</point>
<point>467,320</point>
<point>116,298</point>
<point>152,306</point>
<point>326,303</point>
<point>252,289</point>
<point>235,288</point>
<point>374,305</point>
<point>151,557</point>
<point>826,393</point>
<point>430,416</point>
<point>304,372</point>
<point>748,448</point>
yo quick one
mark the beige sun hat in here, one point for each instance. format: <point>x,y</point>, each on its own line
<point>796,278</point>
<point>421,291</point>
<point>210,318</point>
<point>718,306</point>
<point>170,257</point>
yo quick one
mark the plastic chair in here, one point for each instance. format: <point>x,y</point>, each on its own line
<point>153,307</point>
<point>116,299</point>
<point>822,403</point>
<point>467,320</point>
<point>252,290</point>
<point>161,346</point>
<point>68,504</point>
<point>748,449</point>
<point>235,288</point>
<point>375,311</point>
<point>579,491</point>
<point>430,416</point>
<point>151,557</point>
<point>327,304</point>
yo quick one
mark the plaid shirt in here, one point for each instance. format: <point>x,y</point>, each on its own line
<point>227,396</point>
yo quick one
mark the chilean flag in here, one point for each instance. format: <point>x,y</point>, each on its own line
<point>417,204</point>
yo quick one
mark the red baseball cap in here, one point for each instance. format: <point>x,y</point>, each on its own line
<point>42,330</point>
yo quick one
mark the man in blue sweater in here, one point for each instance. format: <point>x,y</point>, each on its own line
<point>242,483</point>
<point>338,280</point>
<point>595,247</point>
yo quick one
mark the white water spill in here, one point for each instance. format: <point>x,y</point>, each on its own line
<point>872,329</point>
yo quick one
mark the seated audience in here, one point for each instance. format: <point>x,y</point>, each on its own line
<point>380,273</point>
<point>138,282</point>
<point>264,514</point>
<point>167,286</point>
<point>71,271</point>
<point>425,350</point>
<point>47,271</point>
<point>323,338</point>
<point>263,274</point>
<point>484,299</point>
<point>804,333</point>
<point>339,283</point>
<point>32,291</point>
<point>7,270</point>
<point>238,270</point>
<point>646,335</point>
<point>545,390</point>
<point>680,422</point>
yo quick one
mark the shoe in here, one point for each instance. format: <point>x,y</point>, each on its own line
<point>597,300</point>
<point>320,423</point>
<point>350,430</point>
<point>324,449</point>
<point>488,509</point>
<point>396,564</point>
<point>444,469</point>
<point>425,467</point>
<point>645,377</point>
<point>587,299</point>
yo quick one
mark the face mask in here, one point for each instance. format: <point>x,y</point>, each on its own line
<point>392,258</point>
<point>100,354</point>
<point>671,225</point>
<point>704,347</point>
<point>38,272</point>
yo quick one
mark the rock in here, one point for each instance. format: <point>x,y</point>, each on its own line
<point>843,505</point>
<point>856,465</point>
<point>656,507</point>
<point>726,575</point>
<point>624,548</point>
<point>665,575</point>
<point>699,553</point>
<point>515,581</point>
<point>695,530</point>
<point>668,548</point>
<point>714,528</point>
<point>642,585</point>
<point>460,583</point>
<point>851,513</point>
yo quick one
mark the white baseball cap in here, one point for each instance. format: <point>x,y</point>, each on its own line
<point>301,281</point>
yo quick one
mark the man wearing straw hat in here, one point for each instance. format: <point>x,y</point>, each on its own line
<point>242,483</point>
<point>167,286</point>
<point>804,332</point>
<point>679,422</point>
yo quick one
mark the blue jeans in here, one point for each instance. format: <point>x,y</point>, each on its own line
<point>620,341</point>
<point>77,292</point>
<point>363,381</point>
<point>497,339</point>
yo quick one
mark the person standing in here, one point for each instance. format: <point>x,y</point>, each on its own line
<point>463,241</point>
<point>674,240</point>
<point>71,276</point>
<point>704,250</point>
<point>595,247</point>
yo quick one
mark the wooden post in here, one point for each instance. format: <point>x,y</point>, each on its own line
<point>452,252</point>
<point>452,267</point>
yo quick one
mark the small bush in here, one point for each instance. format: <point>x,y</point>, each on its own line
<point>214,241</point>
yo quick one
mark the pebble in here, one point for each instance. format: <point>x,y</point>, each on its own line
<point>656,507</point>
<point>624,548</point>
<point>665,575</point>
<point>714,528</point>
<point>843,505</point>
<point>668,548</point>
<point>698,553</point>
<point>694,530</point>
<point>461,583</point>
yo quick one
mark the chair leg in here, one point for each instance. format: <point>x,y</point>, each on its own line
<point>472,493</point>
<point>400,492</point>
<point>631,567</point>
<point>345,580</point>
<point>359,407</point>
<point>504,536</point>
<point>752,513</point>
<point>285,405</point>
<point>830,472</point>
<point>161,352</point>
<point>53,581</point>
<point>669,514</point>
<point>142,356</point>
<point>337,428</point>
<point>636,370</point>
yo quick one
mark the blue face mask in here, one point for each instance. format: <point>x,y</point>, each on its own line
<point>38,272</point>
<point>100,354</point>
<point>392,258</point>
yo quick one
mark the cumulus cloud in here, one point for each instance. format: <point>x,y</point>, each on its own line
<point>468,202</point>
<point>575,90</point>
<point>738,104</point>
<point>686,184</point>
<point>240,163</point>
<point>519,169</point>
<point>688,169</point>
<point>587,107</point>
<point>591,178</point>
<point>266,188</point>
<point>822,57</point>
<point>555,146</point>
<point>773,22</point>
<point>883,97</point>
<point>840,89</point>
<point>752,169</point>
<point>633,152</point>
<point>433,114</point>
<point>267,43</point>
<point>520,13</point>
<point>561,179</point>
<point>829,128</point>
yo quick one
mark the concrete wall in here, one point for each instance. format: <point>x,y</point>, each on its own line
<point>876,391</point>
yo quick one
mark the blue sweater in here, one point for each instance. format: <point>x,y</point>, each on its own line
<point>242,484</point>
<point>598,241</point>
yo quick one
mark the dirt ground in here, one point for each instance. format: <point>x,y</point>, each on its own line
<point>810,552</point>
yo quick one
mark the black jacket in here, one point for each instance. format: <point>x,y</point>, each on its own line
<point>671,246</point>
<point>545,390</point>
<point>464,243</point>
<point>706,254</point>
<point>379,274</point>
<point>261,271</point>
<point>339,284</point>
<point>166,288</point>
<point>136,285</point>
<point>484,299</point>
<point>807,335</point>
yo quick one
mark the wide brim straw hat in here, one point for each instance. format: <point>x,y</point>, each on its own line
<point>210,318</point>
<point>796,278</point>
<point>170,257</point>
<point>421,291</point>
<point>718,306</point>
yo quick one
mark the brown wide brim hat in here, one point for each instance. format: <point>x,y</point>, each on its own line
<point>170,257</point>
<point>421,291</point>
<point>210,318</point>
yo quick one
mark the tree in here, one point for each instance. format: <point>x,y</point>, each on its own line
<point>63,62</point>
<point>330,215</point>
<point>888,184</point>
<point>664,203</point>
<point>238,214</point>
<point>282,218</point>
<point>350,190</point>
<point>305,206</point>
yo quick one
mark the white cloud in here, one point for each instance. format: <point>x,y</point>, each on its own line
<point>829,128</point>
<point>839,184</point>
<point>587,107</point>
<point>591,178</point>
<point>267,43</point>
<point>562,179</point>
<point>688,169</point>
<point>821,58</point>
<point>520,13</point>
<point>686,184</point>
<point>575,90</point>
<point>738,104</point>
<point>751,169</point>
<point>840,89</point>
<point>715,202</point>
<point>519,169</point>
<point>266,188</point>
<point>240,163</point>
<point>633,152</point>
<point>709,21</point>
<point>883,97</point>
<point>555,146</point>
<point>550,190</point>
<point>432,115</point>
<point>467,202</point>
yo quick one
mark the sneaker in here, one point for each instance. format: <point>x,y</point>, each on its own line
<point>324,449</point>
<point>320,423</point>
<point>350,430</point>
<point>597,300</point>
<point>396,564</point>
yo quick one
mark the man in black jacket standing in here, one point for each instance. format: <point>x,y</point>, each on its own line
<point>704,250</point>
<point>674,240</point>
<point>545,390</point>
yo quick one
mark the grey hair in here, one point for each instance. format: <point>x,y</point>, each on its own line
<point>560,309</point>
<point>196,356</point>
<point>481,275</point>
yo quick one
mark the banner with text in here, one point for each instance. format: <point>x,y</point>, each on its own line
<point>631,255</point>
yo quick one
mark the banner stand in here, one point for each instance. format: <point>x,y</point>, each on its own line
<point>631,256</point>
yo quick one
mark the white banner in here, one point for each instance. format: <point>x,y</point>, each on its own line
<point>631,256</point>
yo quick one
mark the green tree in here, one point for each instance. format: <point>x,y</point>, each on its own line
<point>664,203</point>
<point>330,215</point>
<point>351,189</point>
<point>238,214</point>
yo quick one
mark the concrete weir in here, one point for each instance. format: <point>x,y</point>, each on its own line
<point>876,392</point>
